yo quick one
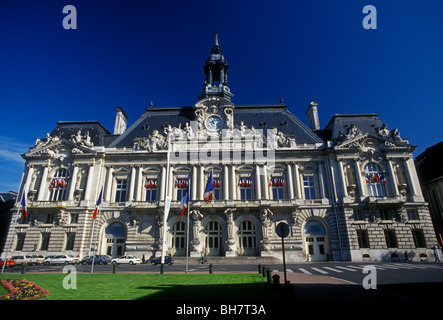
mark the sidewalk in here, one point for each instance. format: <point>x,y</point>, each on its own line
<point>324,288</point>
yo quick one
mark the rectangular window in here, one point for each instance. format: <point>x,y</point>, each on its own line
<point>151,194</point>
<point>217,186</point>
<point>182,186</point>
<point>363,238</point>
<point>74,218</point>
<point>419,238</point>
<point>277,185</point>
<point>50,218</point>
<point>359,215</point>
<point>391,239</point>
<point>70,238</point>
<point>151,186</point>
<point>120,190</point>
<point>245,185</point>
<point>45,241</point>
<point>386,214</point>
<point>412,214</point>
<point>309,187</point>
<point>20,241</point>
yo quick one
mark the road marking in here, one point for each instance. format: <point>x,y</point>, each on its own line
<point>356,267</point>
<point>319,270</point>
<point>289,270</point>
<point>332,269</point>
<point>304,271</point>
<point>344,268</point>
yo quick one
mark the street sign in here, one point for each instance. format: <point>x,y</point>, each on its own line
<point>282,230</point>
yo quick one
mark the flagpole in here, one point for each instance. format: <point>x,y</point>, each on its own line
<point>94,217</point>
<point>187,228</point>
<point>166,209</point>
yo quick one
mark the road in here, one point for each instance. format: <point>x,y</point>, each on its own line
<point>404,280</point>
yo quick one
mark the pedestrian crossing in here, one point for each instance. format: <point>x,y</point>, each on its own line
<point>336,269</point>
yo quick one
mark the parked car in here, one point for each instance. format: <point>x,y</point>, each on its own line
<point>98,259</point>
<point>126,259</point>
<point>47,258</point>
<point>37,259</point>
<point>168,260</point>
<point>62,259</point>
<point>24,259</point>
<point>9,263</point>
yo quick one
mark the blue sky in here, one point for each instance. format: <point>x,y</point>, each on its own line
<point>128,52</point>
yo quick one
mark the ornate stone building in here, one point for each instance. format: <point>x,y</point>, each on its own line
<point>348,191</point>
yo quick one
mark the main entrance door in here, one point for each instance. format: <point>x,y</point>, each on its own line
<point>213,233</point>
<point>315,237</point>
<point>115,238</point>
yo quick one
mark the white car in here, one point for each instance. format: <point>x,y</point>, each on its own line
<point>62,259</point>
<point>24,259</point>
<point>126,259</point>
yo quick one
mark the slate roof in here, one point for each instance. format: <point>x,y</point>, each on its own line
<point>340,123</point>
<point>428,163</point>
<point>260,116</point>
<point>66,129</point>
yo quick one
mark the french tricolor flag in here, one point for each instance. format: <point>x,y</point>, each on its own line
<point>209,191</point>
<point>184,202</point>
<point>23,204</point>
<point>97,205</point>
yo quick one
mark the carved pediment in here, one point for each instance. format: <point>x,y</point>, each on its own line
<point>57,148</point>
<point>382,138</point>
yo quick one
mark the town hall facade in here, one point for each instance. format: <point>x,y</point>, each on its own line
<point>347,192</point>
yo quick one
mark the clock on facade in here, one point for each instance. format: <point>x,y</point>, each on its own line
<point>213,123</point>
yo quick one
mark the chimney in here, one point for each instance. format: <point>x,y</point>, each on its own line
<point>121,120</point>
<point>314,123</point>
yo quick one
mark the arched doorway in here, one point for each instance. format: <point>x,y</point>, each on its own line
<point>247,237</point>
<point>213,238</point>
<point>179,239</point>
<point>316,241</point>
<point>115,238</point>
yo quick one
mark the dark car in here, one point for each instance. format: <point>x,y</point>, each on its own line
<point>98,259</point>
<point>168,260</point>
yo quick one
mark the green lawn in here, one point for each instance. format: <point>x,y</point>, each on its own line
<point>155,286</point>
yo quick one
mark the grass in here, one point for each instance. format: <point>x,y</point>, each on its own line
<point>155,286</point>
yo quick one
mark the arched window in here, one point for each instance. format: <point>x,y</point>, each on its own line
<point>59,185</point>
<point>375,180</point>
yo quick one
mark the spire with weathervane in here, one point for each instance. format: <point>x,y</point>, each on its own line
<point>216,74</point>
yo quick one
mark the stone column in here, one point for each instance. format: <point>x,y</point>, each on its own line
<point>109,183</point>
<point>73,182</point>
<point>233,184</point>
<point>265,183</point>
<point>131,184</point>
<point>321,180</point>
<point>393,180</point>
<point>257,179</point>
<point>226,182</point>
<point>290,182</point>
<point>138,192</point>
<point>361,182</point>
<point>297,180</point>
<point>43,184</point>
<point>413,181</point>
<point>89,182</point>
<point>163,183</point>
<point>342,178</point>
